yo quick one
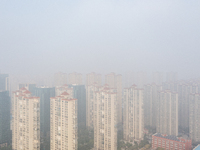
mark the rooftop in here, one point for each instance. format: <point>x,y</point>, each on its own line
<point>170,137</point>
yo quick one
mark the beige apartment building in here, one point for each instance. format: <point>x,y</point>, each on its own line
<point>26,121</point>
<point>75,78</point>
<point>194,117</point>
<point>105,119</point>
<point>133,119</point>
<point>115,81</point>
<point>167,118</point>
<point>63,122</point>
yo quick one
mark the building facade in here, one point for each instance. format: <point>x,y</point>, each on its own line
<point>194,117</point>
<point>105,120</point>
<point>5,132</point>
<point>170,142</point>
<point>133,120</point>
<point>167,118</point>
<point>63,130</point>
<point>150,104</point>
<point>26,121</point>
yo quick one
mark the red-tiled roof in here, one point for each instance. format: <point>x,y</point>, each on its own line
<point>65,93</point>
<point>23,88</point>
<point>27,92</point>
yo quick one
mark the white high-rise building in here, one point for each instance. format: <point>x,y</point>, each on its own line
<point>133,120</point>
<point>63,124</point>
<point>167,113</point>
<point>105,119</point>
<point>194,117</point>
<point>26,121</point>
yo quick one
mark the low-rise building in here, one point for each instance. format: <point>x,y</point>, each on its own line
<point>170,142</point>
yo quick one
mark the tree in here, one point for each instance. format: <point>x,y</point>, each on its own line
<point>6,148</point>
<point>159,148</point>
<point>143,143</point>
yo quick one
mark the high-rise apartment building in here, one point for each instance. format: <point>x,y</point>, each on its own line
<point>4,82</point>
<point>115,81</point>
<point>78,92</point>
<point>92,78</point>
<point>26,121</point>
<point>150,104</point>
<point>105,120</point>
<point>60,79</point>
<point>5,132</point>
<point>90,99</point>
<point>133,119</point>
<point>63,122</point>
<point>75,78</point>
<point>167,113</point>
<point>194,117</point>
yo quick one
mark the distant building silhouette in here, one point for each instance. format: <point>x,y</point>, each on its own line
<point>4,82</point>
<point>5,132</point>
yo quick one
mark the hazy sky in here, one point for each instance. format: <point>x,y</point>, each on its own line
<point>41,37</point>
